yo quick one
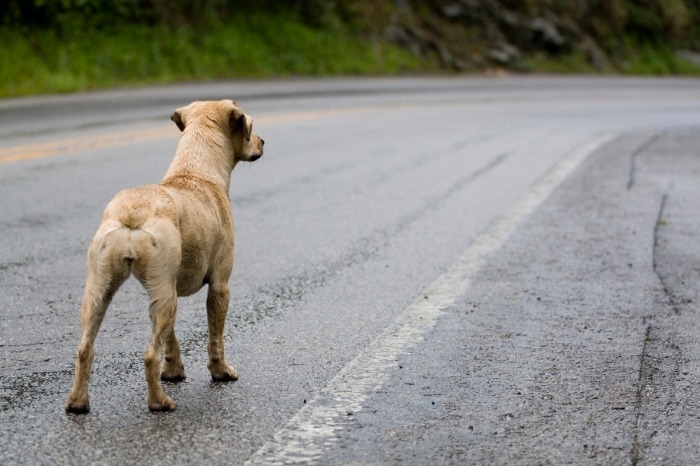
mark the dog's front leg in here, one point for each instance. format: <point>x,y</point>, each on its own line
<point>217,307</point>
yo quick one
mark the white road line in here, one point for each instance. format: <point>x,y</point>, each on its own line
<point>312,430</point>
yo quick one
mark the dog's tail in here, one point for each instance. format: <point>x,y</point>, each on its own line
<point>112,255</point>
<point>134,218</point>
<point>128,244</point>
<point>132,247</point>
<point>122,239</point>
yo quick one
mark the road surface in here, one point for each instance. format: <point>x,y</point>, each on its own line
<point>465,270</point>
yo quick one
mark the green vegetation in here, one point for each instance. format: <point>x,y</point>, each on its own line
<point>51,46</point>
<point>566,64</point>
<point>73,58</point>
<point>645,60</point>
<point>637,37</point>
<point>659,61</point>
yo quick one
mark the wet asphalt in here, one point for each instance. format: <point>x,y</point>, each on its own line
<point>577,343</point>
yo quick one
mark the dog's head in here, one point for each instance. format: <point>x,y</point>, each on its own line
<point>231,119</point>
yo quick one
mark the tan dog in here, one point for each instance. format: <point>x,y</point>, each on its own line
<point>175,237</point>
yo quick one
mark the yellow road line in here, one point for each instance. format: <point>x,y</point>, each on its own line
<point>131,137</point>
<point>86,143</point>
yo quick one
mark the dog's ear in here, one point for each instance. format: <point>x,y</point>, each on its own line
<point>178,117</point>
<point>240,119</point>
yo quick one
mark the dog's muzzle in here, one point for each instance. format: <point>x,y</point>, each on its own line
<point>253,158</point>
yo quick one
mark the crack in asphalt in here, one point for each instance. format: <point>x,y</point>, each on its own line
<point>645,361</point>
<point>660,361</point>
<point>659,372</point>
<point>633,158</point>
<point>12,265</point>
<point>660,222</point>
<point>642,380</point>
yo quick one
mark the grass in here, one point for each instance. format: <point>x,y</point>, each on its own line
<point>565,64</point>
<point>642,60</point>
<point>649,60</point>
<point>45,61</point>
<point>80,57</point>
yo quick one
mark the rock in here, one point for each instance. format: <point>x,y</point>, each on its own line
<point>472,10</point>
<point>418,42</point>
<point>509,19</point>
<point>689,56</point>
<point>403,6</point>
<point>453,11</point>
<point>444,54</point>
<point>594,54</point>
<point>398,35</point>
<point>504,54</point>
<point>545,33</point>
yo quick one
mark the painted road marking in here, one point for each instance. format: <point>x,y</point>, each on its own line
<point>131,137</point>
<point>312,430</point>
<point>85,144</point>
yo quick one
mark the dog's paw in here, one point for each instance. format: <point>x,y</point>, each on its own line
<point>77,404</point>
<point>172,371</point>
<point>173,375</point>
<point>223,373</point>
<point>78,407</point>
<point>164,403</point>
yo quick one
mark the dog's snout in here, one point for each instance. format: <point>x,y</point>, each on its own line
<point>262,142</point>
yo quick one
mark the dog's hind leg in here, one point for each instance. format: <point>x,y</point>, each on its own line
<point>105,274</point>
<point>162,310</point>
<point>173,369</point>
<point>157,269</point>
<point>217,308</point>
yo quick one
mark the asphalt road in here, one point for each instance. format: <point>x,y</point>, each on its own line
<point>428,271</point>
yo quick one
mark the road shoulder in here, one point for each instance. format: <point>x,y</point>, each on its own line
<point>577,341</point>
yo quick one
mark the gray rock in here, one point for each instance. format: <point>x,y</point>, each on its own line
<point>689,56</point>
<point>594,54</point>
<point>504,54</point>
<point>509,19</point>
<point>399,35</point>
<point>472,10</point>
<point>403,6</point>
<point>453,11</point>
<point>546,33</point>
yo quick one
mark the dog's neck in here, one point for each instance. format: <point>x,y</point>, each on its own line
<point>203,153</point>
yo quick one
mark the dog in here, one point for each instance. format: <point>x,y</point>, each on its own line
<point>174,237</point>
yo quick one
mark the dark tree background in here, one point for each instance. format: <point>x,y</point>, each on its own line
<point>672,21</point>
<point>53,13</point>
